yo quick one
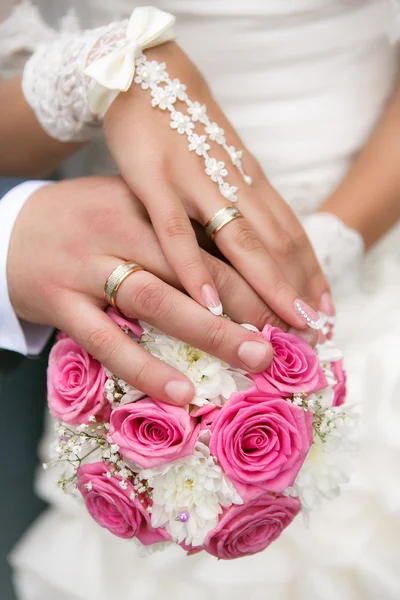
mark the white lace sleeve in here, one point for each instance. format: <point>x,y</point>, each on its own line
<point>57,83</point>
<point>55,86</point>
<point>339,249</point>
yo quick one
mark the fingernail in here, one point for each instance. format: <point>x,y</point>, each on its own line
<point>254,354</point>
<point>250,327</point>
<point>308,314</point>
<point>179,391</point>
<point>211,300</point>
<point>326,305</point>
<point>308,335</point>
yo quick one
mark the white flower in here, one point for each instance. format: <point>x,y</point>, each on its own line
<point>162,98</point>
<point>235,155</point>
<point>215,132</point>
<point>328,464</point>
<point>150,73</point>
<point>119,392</point>
<point>181,123</point>
<point>59,429</point>
<point>323,398</point>
<point>195,484</point>
<point>228,191</point>
<point>198,143</point>
<point>210,376</point>
<point>198,112</point>
<point>132,396</point>
<point>215,169</point>
<point>177,88</point>
<point>144,551</point>
<point>109,385</point>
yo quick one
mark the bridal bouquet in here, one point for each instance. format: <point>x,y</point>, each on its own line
<point>228,473</point>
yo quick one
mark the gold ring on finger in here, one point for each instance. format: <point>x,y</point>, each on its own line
<point>220,219</point>
<point>115,279</point>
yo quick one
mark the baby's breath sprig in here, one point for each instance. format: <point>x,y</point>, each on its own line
<point>325,419</point>
<point>74,446</point>
<point>116,388</point>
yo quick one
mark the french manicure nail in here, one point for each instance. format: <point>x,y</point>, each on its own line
<point>211,300</point>
<point>308,314</point>
<point>179,391</point>
<point>253,354</point>
<point>250,327</point>
<point>326,305</point>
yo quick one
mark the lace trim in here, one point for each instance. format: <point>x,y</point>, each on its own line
<point>339,249</point>
<point>59,97</point>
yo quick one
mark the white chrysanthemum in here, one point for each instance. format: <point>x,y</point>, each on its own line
<point>195,484</point>
<point>328,464</point>
<point>145,551</point>
<point>212,378</point>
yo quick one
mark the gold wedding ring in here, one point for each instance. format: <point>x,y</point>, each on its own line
<point>114,281</point>
<point>220,219</point>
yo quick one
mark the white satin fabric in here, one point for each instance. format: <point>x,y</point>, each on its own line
<point>114,72</point>
<point>304,82</point>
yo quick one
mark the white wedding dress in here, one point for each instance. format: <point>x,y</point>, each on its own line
<point>304,82</point>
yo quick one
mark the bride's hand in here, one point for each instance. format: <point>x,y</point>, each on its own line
<point>67,240</point>
<point>268,247</point>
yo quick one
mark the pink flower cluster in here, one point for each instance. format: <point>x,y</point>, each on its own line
<point>259,439</point>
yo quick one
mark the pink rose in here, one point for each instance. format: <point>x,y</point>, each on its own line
<point>124,322</point>
<point>151,433</point>
<point>340,388</point>
<point>190,550</point>
<point>249,528</point>
<point>112,507</point>
<point>261,440</point>
<point>75,384</point>
<point>208,413</point>
<point>295,367</point>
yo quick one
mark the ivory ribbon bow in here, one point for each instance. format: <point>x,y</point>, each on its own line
<point>113,73</point>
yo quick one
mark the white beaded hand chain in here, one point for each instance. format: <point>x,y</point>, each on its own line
<point>71,82</point>
<point>149,75</point>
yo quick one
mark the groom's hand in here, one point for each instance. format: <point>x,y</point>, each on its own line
<point>67,240</point>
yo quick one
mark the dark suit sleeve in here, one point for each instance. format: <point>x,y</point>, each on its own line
<point>23,399</point>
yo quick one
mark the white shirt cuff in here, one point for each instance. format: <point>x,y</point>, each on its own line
<point>15,334</point>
